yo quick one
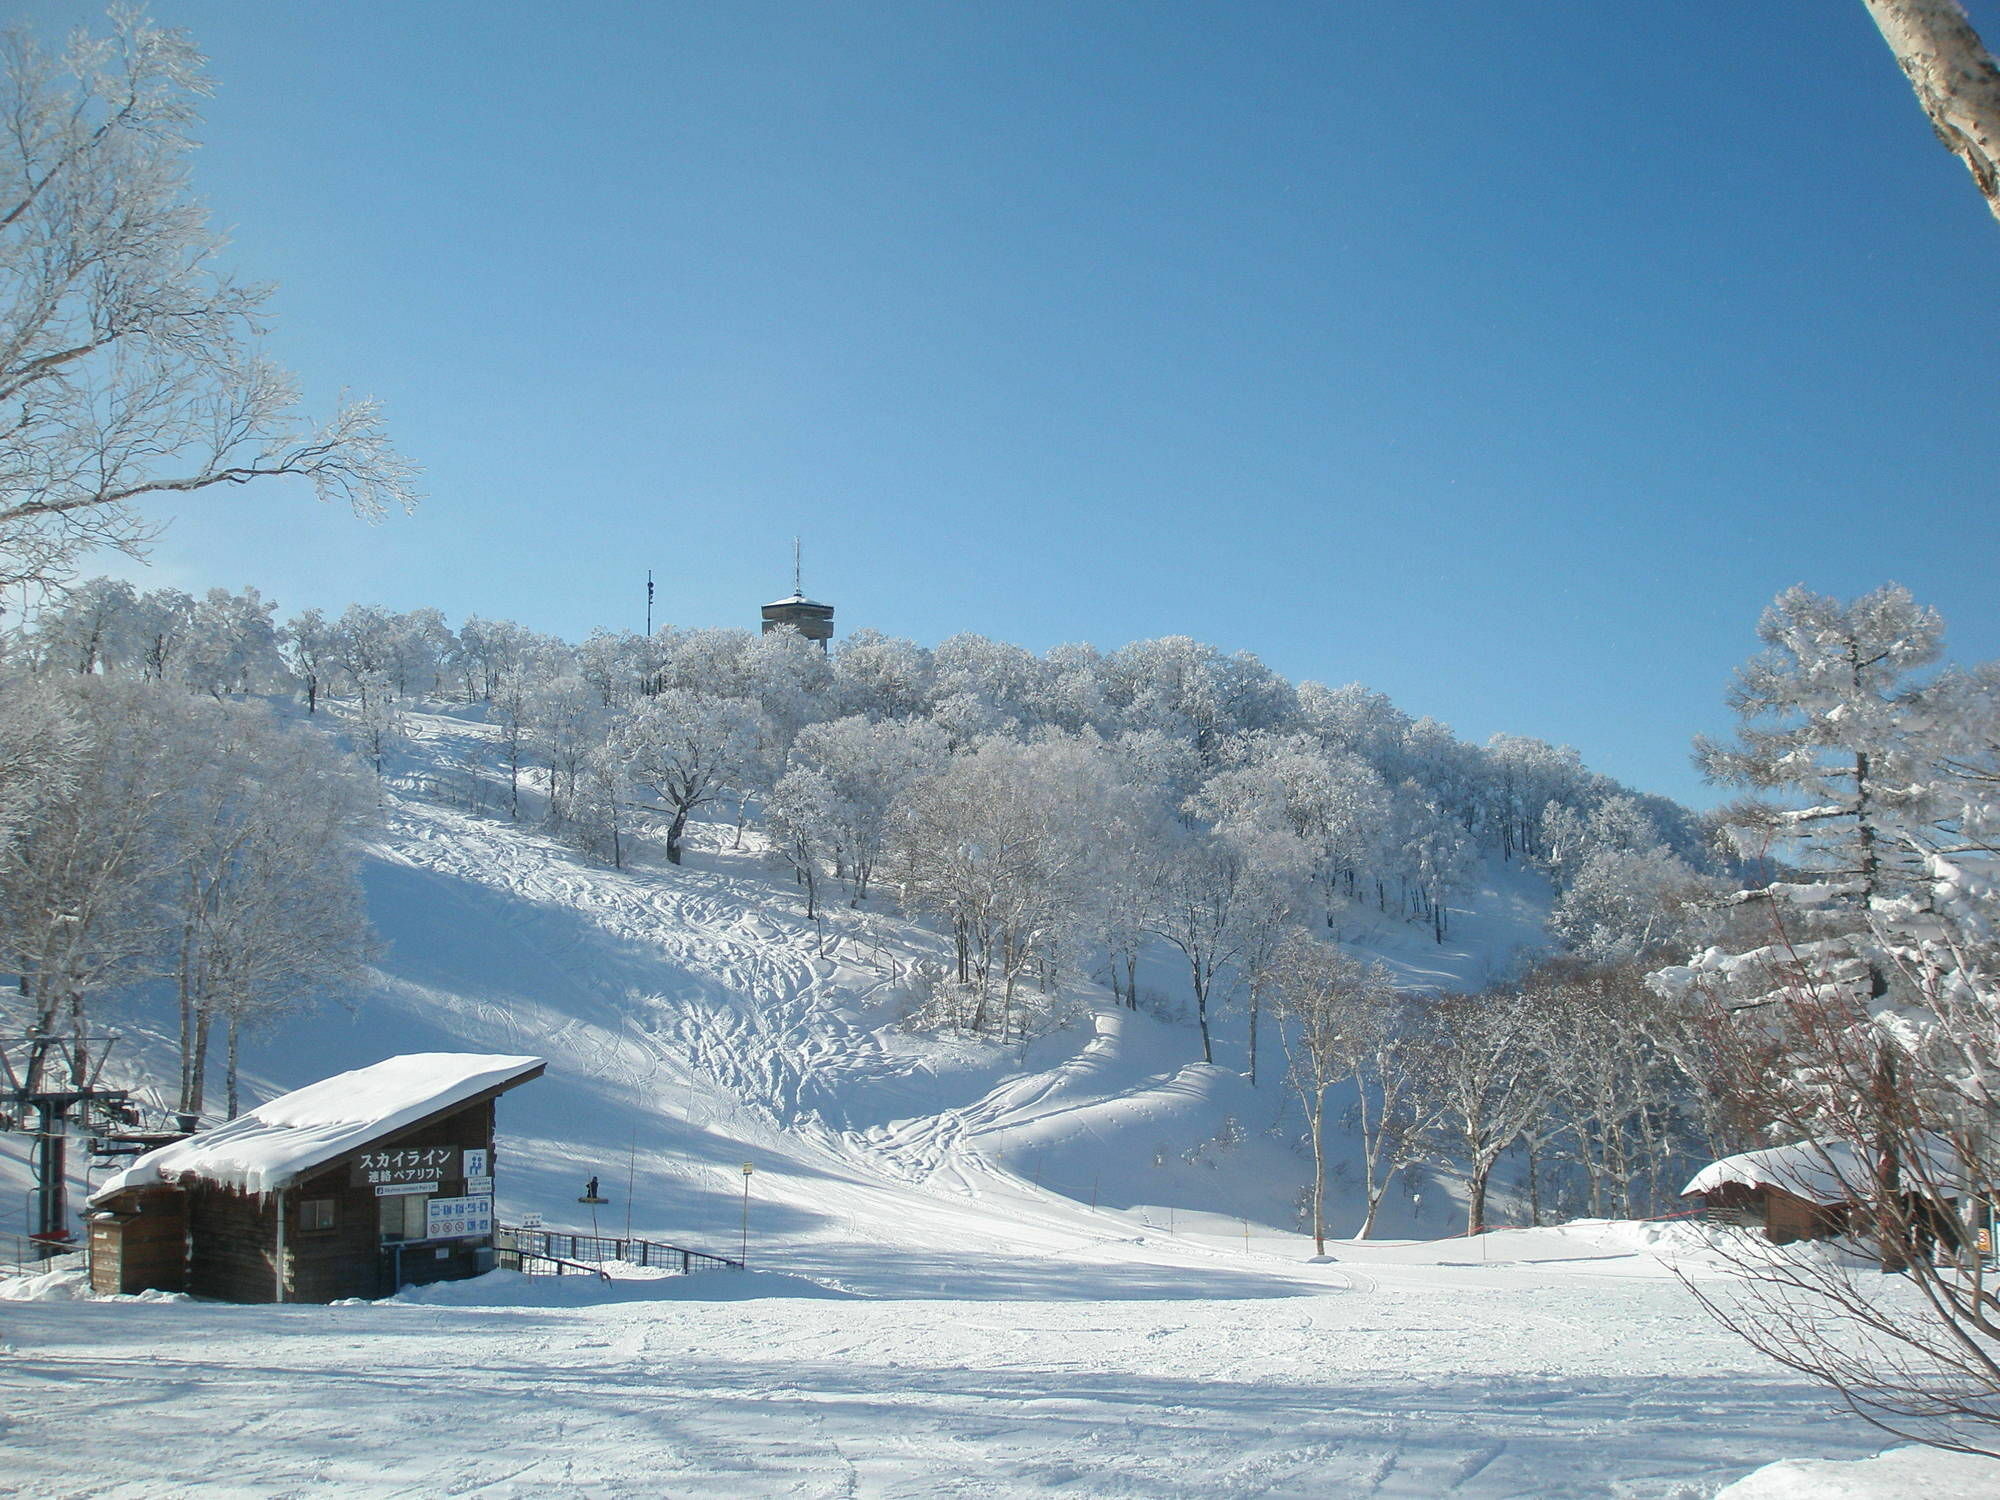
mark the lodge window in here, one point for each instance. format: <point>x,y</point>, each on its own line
<point>404,1217</point>
<point>316,1213</point>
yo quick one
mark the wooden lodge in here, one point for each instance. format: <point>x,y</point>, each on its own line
<point>355,1186</point>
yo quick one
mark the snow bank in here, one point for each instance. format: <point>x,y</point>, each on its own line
<point>276,1142</point>
<point>1896,1475</point>
<point>67,1285</point>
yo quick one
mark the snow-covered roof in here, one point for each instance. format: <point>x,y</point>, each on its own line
<point>1819,1171</point>
<point>276,1143</point>
<point>795,601</point>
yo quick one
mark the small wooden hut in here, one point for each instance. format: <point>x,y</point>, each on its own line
<point>1812,1189</point>
<point>351,1187</point>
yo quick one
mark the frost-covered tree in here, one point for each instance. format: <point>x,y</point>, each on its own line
<point>567,716</point>
<point>40,738</point>
<point>128,359</point>
<point>1216,893</point>
<point>262,895</point>
<point>990,845</point>
<point>803,814</point>
<point>688,751</point>
<point>1827,714</point>
<point>1488,1077</point>
<point>881,676</point>
<point>311,650</point>
<point>233,645</point>
<point>867,765</point>
<point>1332,1010</point>
<point>77,881</point>
<point>1854,1000</point>
<point>1195,692</point>
<point>93,627</point>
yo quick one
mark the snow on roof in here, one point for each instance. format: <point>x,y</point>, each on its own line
<point>1819,1171</point>
<point>277,1142</point>
<point>796,600</point>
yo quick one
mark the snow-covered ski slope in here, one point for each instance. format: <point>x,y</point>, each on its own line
<point>975,1271</point>
<point>694,1021</point>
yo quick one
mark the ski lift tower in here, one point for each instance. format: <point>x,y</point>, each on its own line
<point>808,617</point>
<point>45,1082</point>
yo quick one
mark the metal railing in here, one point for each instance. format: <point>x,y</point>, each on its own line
<point>22,1254</point>
<point>532,1263</point>
<point>583,1249</point>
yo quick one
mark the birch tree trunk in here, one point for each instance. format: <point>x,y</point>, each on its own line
<point>1955,78</point>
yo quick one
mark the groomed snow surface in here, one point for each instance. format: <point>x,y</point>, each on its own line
<point>1567,1364</point>
<point>974,1271</point>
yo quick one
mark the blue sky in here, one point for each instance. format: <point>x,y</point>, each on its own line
<point>1505,358</point>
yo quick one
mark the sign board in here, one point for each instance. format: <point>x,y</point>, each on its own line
<point>477,1163</point>
<point>458,1218</point>
<point>474,1186</point>
<point>531,1221</point>
<point>403,1189</point>
<point>410,1164</point>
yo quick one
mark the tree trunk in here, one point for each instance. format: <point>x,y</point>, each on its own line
<point>198,1073</point>
<point>1475,1197</point>
<point>674,831</point>
<point>229,1071</point>
<point>1955,80</point>
<point>1317,1125</point>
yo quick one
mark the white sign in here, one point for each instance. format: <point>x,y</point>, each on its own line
<point>474,1186</point>
<point>458,1218</point>
<point>403,1189</point>
<point>531,1221</point>
<point>476,1164</point>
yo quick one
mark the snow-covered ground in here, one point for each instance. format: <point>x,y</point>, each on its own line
<point>1062,1268</point>
<point>1569,1363</point>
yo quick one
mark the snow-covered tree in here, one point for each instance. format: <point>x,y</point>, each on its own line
<point>1217,891</point>
<point>311,649</point>
<point>804,816</point>
<point>881,676</point>
<point>867,766</point>
<point>262,895</point>
<point>568,720</point>
<point>127,357</point>
<point>91,628</point>
<point>1332,1010</point>
<point>1489,1076</point>
<point>991,845</point>
<point>688,751</point>
<point>77,881</point>
<point>1854,1002</point>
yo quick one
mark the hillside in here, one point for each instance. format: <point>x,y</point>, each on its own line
<point>693,1022</point>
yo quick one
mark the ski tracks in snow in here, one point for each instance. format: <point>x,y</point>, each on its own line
<point>686,964</point>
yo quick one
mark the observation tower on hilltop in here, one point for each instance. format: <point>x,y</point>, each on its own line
<point>809,618</point>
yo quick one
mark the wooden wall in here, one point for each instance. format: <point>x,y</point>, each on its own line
<point>349,1260</point>
<point>141,1245</point>
<point>232,1244</point>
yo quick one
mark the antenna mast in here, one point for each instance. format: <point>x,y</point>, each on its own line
<point>649,603</point>
<point>798,584</point>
